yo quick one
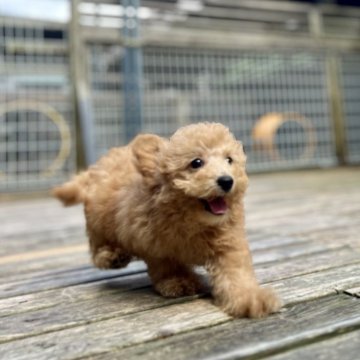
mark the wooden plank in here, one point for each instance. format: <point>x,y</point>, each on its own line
<point>20,285</point>
<point>284,205</point>
<point>222,38</point>
<point>46,252</point>
<point>31,264</point>
<point>79,292</point>
<point>306,264</point>
<point>28,221</point>
<point>26,256</point>
<point>291,251</point>
<point>284,202</point>
<point>32,23</point>
<point>301,322</point>
<point>67,314</point>
<point>22,271</point>
<point>312,182</point>
<point>314,285</point>
<point>63,279</point>
<point>21,206</point>
<point>265,273</point>
<point>264,5</point>
<point>14,272</point>
<point>72,294</point>
<point>35,244</point>
<point>90,303</point>
<point>57,47</point>
<point>345,347</point>
<point>256,16</point>
<point>302,223</point>
<point>129,329</point>
<point>34,241</point>
<point>261,240</point>
<point>306,322</point>
<point>20,278</point>
<point>345,234</point>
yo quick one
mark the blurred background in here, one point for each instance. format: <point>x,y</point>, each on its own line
<point>79,77</point>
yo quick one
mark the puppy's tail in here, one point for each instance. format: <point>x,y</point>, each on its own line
<point>74,191</point>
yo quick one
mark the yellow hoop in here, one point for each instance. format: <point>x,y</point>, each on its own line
<point>56,118</point>
<point>265,129</point>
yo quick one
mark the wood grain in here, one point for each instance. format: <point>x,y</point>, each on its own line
<point>299,325</point>
<point>62,279</point>
<point>67,314</point>
<point>236,338</point>
<point>345,347</point>
<point>303,231</point>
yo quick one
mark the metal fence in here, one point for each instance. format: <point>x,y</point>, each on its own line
<point>105,80</point>
<point>245,91</point>
<point>350,71</point>
<point>36,116</point>
<point>273,90</point>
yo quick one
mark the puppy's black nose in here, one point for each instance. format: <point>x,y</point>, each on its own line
<point>225,182</point>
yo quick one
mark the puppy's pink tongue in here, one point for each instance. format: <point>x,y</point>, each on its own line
<point>218,206</point>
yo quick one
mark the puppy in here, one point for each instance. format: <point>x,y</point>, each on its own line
<point>175,203</point>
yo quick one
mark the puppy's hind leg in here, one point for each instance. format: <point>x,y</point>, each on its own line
<point>108,257</point>
<point>106,254</point>
<point>171,279</point>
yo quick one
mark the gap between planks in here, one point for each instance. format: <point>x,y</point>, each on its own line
<point>67,315</point>
<point>45,281</point>
<point>336,313</point>
<point>88,290</point>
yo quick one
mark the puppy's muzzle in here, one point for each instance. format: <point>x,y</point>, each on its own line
<point>225,183</point>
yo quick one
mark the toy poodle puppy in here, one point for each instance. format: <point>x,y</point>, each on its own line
<point>175,203</point>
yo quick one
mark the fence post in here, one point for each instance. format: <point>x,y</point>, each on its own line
<point>132,69</point>
<point>315,20</point>
<point>82,104</point>
<point>333,69</point>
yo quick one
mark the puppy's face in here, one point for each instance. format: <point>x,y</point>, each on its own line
<point>205,165</point>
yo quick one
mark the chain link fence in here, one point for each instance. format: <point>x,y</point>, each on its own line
<point>276,100</point>
<point>276,103</point>
<point>36,113</point>
<point>350,73</point>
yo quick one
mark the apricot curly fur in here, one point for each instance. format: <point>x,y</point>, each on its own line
<point>145,200</point>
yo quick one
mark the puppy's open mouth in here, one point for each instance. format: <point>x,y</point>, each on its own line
<point>216,206</point>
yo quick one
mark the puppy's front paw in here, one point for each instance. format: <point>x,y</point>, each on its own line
<point>255,302</point>
<point>178,286</point>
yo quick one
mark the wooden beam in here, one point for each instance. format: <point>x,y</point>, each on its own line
<point>315,22</point>
<point>81,95</point>
<point>285,6</point>
<point>282,6</point>
<point>36,46</point>
<point>247,14</point>
<point>159,35</point>
<point>31,23</point>
<point>335,87</point>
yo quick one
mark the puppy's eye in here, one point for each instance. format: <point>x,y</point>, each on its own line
<point>229,160</point>
<point>197,163</point>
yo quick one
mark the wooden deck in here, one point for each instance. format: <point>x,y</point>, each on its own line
<point>304,231</point>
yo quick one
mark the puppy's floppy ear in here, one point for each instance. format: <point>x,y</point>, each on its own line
<point>242,152</point>
<point>147,149</point>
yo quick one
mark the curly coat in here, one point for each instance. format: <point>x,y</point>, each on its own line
<point>162,200</point>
